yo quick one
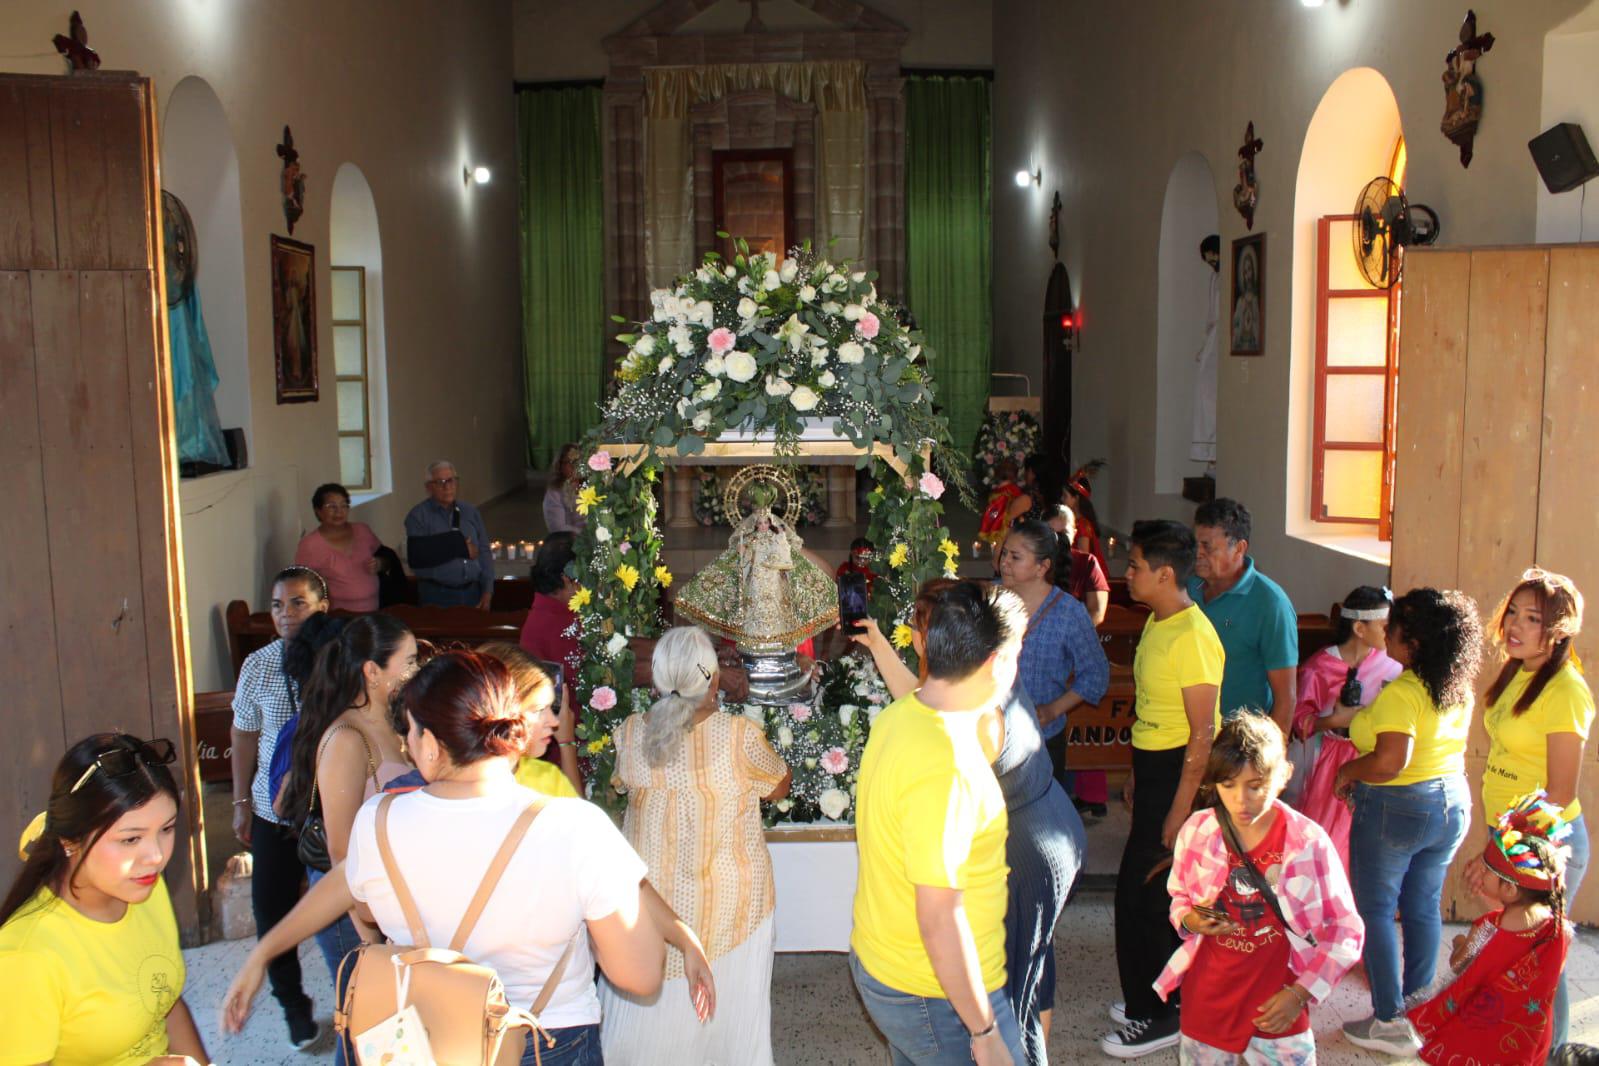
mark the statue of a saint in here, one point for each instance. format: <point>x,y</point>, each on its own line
<point>765,592</point>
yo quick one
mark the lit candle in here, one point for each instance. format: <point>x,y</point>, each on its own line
<point>496,549</point>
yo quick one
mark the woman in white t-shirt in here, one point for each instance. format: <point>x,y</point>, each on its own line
<point>573,870</point>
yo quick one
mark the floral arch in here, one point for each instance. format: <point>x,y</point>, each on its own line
<point>798,355</point>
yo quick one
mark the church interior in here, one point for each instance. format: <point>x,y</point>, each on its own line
<point>1304,254</point>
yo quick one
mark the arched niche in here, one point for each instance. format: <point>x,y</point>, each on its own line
<point>1188,215</point>
<point>200,167</point>
<point>1351,139</point>
<point>355,241</point>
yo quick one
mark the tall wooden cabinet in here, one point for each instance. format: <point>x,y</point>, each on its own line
<point>1498,454</point>
<point>91,593</point>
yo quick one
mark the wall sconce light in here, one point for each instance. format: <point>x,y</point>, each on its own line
<point>475,175</point>
<point>1025,178</point>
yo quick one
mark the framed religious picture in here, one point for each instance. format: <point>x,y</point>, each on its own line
<point>1248,304</point>
<point>294,320</point>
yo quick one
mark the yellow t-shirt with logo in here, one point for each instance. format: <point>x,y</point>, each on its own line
<point>1518,761</point>
<point>1173,654</point>
<point>541,775</point>
<point>77,992</point>
<point>928,812</point>
<point>1438,746</point>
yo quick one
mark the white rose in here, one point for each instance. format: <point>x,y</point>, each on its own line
<point>807,293</point>
<point>614,646</point>
<point>740,366</point>
<point>747,308</point>
<point>715,366</point>
<point>772,281</point>
<point>732,273</point>
<point>851,353</point>
<point>711,390</point>
<point>785,737</point>
<point>858,276</point>
<point>665,364</point>
<point>645,345</point>
<point>827,380</point>
<point>833,802</point>
<point>803,398</point>
<point>853,312</point>
<point>777,386</point>
<point>846,714</point>
<point>788,270</point>
<point>702,420</point>
<point>602,534</point>
<point>784,805</point>
<point>832,307</point>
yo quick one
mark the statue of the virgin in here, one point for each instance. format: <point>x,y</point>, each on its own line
<point>765,592</point>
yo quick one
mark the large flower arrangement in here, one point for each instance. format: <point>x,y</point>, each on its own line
<point>760,346</point>
<point>1012,435</point>
<point>822,739</point>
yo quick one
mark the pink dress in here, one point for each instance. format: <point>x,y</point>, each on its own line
<point>350,586</point>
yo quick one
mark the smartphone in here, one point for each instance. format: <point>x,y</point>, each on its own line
<point>1215,914</point>
<point>852,602</point>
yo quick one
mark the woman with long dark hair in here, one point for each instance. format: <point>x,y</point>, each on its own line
<point>1411,802</point>
<point>466,730</point>
<point>91,971</point>
<point>345,747</point>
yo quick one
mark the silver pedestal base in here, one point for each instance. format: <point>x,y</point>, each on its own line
<point>776,679</point>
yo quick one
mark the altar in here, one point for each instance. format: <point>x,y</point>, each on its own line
<point>813,869</point>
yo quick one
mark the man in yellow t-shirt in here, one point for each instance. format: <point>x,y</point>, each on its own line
<point>1177,673</point>
<point>928,946</point>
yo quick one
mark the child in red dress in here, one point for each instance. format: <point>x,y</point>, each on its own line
<point>1495,1008</point>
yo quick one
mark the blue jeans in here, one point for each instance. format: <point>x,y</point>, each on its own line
<point>927,1032</point>
<point>1400,844</point>
<point>1576,866</point>
<point>577,1045</point>
<point>336,941</point>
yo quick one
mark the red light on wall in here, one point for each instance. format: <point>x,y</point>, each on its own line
<point>1068,321</point>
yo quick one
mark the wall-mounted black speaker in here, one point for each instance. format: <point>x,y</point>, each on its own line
<point>1563,157</point>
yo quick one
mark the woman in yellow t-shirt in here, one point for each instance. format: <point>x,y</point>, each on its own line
<point>537,691</point>
<point>1411,802</point>
<point>1539,712</point>
<point>91,973</point>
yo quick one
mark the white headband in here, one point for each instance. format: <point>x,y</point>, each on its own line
<point>1369,614</point>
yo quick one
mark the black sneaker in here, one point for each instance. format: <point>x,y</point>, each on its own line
<point>304,1030</point>
<point>1140,1036</point>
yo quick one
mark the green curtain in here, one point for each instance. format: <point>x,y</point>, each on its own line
<point>947,247</point>
<point>563,304</point>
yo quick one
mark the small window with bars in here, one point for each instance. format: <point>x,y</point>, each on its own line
<point>350,372</point>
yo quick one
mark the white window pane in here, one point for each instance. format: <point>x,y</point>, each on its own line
<point>349,356</point>
<point>346,293</point>
<point>1357,332</point>
<point>1354,408</point>
<point>352,462</point>
<point>352,406</point>
<point>1351,485</point>
<point>1343,272</point>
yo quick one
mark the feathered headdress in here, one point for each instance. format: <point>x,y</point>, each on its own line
<point>1512,858</point>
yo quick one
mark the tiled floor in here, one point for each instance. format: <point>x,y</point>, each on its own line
<point>818,1021</point>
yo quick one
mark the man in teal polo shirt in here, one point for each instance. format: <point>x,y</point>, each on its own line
<point>1253,616</point>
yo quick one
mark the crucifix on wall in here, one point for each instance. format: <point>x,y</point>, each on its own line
<point>754,25</point>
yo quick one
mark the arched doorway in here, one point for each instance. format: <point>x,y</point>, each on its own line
<point>1187,287</point>
<point>1060,321</point>
<point>359,356</point>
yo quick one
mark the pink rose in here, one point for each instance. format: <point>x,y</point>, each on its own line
<point>868,326</point>
<point>835,761</point>
<point>721,340</point>
<point>931,485</point>
<point>600,461</point>
<point>603,698</point>
<point>800,712</point>
<point>625,547</point>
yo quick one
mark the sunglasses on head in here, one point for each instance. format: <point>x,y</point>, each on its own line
<point>122,760</point>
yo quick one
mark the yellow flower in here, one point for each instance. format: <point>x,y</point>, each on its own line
<point>949,548</point>
<point>588,499</point>
<point>663,577</point>
<point>901,637</point>
<point>951,567</point>
<point>627,575</point>
<point>599,744</point>
<point>897,557</point>
<point>580,599</point>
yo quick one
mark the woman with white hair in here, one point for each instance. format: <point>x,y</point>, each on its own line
<point>695,778</point>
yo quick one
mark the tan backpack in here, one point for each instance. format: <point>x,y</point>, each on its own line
<point>461,1004</point>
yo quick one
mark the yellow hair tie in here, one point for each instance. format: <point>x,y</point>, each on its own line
<point>34,831</point>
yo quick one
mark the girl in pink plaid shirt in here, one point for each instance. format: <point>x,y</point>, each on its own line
<point>1260,897</point>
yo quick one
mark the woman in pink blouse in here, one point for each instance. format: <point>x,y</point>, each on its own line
<point>341,551</point>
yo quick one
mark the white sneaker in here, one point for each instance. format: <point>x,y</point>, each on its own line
<point>1394,1037</point>
<point>1118,1012</point>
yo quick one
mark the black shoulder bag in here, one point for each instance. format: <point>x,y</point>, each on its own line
<point>1256,879</point>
